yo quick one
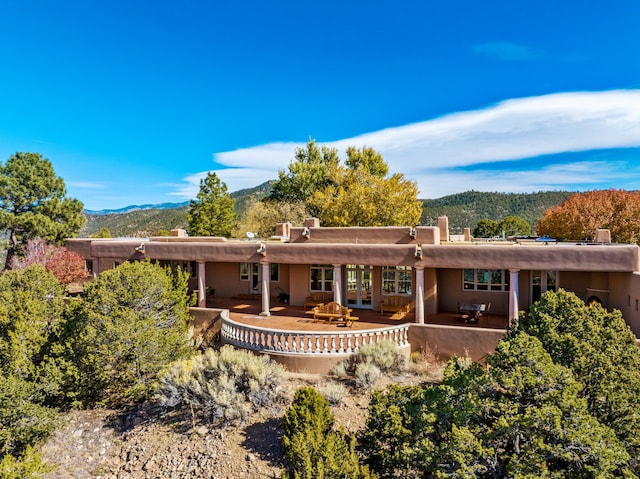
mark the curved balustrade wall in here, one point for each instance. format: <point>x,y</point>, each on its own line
<point>308,342</point>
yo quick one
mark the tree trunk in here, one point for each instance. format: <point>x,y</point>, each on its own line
<point>11,250</point>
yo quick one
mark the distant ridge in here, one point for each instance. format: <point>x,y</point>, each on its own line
<point>464,210</point>
<point>129,209</point>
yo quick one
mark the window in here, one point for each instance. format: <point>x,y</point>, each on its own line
<point>396,280</point>
<point>321,277</point>
<point>485,280</point>
<point>251,269</point>
<point>274,272</point>
<point>244,271</point>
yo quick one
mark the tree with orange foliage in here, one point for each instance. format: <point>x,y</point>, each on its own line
<point>582,214</point>
<point>65,265</point>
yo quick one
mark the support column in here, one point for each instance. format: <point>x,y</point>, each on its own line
<point>513,295</point>
<point>419,295</point>
<point>265,290</point>
<point>95,266</point>
<point>337,283</point>
<point>202,281</point>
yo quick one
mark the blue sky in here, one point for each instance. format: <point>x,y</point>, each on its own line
<point>133,102</point>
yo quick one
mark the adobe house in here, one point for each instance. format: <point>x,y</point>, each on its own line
<point>365,268</point>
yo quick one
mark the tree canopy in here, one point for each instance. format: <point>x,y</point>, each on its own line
<point>521,416</point>
<point>67,266</point>
<point>601,351</point>
<point>308,173</point>
<point>33,203</point>
<point>130,322</point>
<point>510,226</point>
<point>360,198</point>
<point>212,213</point>
<point>582,214</point>
<point>358,193</point>
<point>260,217</point>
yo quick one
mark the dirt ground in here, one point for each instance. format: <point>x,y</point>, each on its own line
<point>147,442</point>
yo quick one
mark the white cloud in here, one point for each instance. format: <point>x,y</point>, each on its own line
<point>434,151</point>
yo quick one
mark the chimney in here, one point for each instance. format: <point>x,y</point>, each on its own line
<point>443,226</point>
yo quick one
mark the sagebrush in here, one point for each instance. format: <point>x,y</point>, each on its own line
<point>223,386</point>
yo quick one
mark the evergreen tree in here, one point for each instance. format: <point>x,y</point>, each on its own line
<point>313,449</point>
<point>521,416</point>
<point>33,204</point>
<point>601,350</point>
<point>130,322</point>
<point>212,213</point>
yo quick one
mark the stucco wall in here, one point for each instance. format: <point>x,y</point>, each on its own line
<point>447,341</point>
<point>625,296</point>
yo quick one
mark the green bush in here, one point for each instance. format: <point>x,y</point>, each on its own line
<point>312,448</point>
<point>24,421</point>
<point>31,307</point>
<point>521,416</point>
<point>29,465</point>
<point>130,322</point>
<point>224,386</point>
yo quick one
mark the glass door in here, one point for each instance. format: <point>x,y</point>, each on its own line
<point>541,282</point>
<point>255,278</point>
<point>359,283</point>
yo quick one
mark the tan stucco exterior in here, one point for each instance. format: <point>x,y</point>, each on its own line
<point>611,272</point>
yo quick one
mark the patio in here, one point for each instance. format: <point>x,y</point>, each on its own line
<point>246,310</point>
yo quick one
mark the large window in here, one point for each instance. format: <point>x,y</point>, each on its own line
<point>396,280</point>
<point>321,277</point>
<point>485,280</point>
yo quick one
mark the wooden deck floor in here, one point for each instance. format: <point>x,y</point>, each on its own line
<point>288,317</point>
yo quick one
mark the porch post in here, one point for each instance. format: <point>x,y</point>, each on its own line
<point>337,283</point>
<point>95,266</point>
<point>265,290</point>
<point>419,295</point>
<point>513,295</point>
<point>202,281</point>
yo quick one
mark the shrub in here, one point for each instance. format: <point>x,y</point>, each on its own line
<point>29,465</point>
<point>333,392</point>
<point>367,374</point>
<point>384,354</point>
<point>130,322</point>
<point>31,306</point>
<point>312,448</point>
<point>23,420</point>
<point>224,386</point>
<point>425,362</point>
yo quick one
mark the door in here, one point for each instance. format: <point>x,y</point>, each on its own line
<point>359,282</point>
<point>252,273</point>
<point>541,282</point>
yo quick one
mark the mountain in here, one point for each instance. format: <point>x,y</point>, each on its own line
<point>463,209</point>
<point>129,209</point>
<point>149,220</point>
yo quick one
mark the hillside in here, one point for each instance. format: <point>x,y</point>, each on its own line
<point>149,220</point>
<point>466,209</point>
<point>463,210</point>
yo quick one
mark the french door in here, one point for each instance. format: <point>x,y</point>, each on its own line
<point>359,286</point>
<point>541,282</point>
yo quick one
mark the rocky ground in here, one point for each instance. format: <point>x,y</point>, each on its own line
<point>147,442</point>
